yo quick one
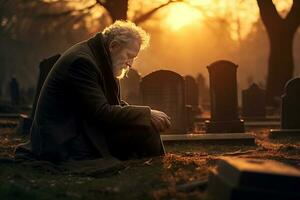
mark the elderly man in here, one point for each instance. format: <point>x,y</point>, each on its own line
<point>79,114</point>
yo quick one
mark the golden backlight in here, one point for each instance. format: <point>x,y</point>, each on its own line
<point>180,15</point>
<point>177,17</point>
<point>239,14</point>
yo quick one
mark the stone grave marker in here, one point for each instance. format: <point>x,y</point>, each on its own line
<point>290,111</point>
<point>164,90</point>
<point>130,88</point>
<point>224,102</point>
<point>44,67</point>
<point>191,101</point>
<point>237,178</point>
<point>254,102</point>
<point>204,99</point>
<point>191,92</point>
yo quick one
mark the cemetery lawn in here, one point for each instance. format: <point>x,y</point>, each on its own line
<point>156,178</point>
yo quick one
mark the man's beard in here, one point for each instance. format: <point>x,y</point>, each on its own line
<point>119,74</point>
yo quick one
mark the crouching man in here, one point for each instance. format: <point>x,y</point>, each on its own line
<point>79,114</point>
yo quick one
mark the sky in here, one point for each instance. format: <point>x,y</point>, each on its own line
<point>191,36</point>
<point>187,37</point>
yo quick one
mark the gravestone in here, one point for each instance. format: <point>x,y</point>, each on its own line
<point>191,92</point>
<point>14,92</point>
<point>223,95</point>
<point>204,99</point>
<point>254,102</point>
<point>164,90</point>
<point>192,101</point>
<point>237,178</point>
<point>44,67</point>
<point>290,110</point>
<point>130,87</point>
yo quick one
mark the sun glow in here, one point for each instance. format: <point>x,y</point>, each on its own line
<point>180,15</point>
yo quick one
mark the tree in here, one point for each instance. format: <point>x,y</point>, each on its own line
<point>281,33</point>
<point>117,10</point>
<point>31,29</point>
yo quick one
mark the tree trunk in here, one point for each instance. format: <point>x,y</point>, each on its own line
<point>117,9</point>
<point>281,63</point>
<point>281,34</point>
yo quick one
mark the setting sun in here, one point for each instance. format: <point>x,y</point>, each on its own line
<point>181,15</point>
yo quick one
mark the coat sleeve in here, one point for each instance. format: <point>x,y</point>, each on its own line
<point>84,78</point>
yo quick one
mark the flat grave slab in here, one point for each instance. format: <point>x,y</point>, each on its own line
<point>274,124</point>
<point>236,178</point>
<point>284,133</point>
<point>225,138</point>
<point>10,115</point>
<point>258,123</point>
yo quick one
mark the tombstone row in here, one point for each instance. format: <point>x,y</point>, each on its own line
<point>170,92</point>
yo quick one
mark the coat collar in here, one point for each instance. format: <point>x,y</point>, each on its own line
<point>100,51</point>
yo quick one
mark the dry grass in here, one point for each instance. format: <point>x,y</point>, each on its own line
<point>156,178</point>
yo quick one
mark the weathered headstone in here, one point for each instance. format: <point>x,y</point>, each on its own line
<point>164,90</point>
<point>290,109</point>
<point>130,87</point>
<point>224,103</point>
<point>254,102</point>
<point>14,92</point>
<point>237,178</point>
<point>192,101</point>
<point>204,99</point>
<point>45,67</point>
<point>191,92</point>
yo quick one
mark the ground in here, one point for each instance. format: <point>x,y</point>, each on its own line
<point>156,178</point>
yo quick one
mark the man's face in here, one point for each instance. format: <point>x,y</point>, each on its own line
<point>122,56</point>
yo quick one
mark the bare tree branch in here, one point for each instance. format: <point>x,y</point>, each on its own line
<point>269,14</point>
<point>148,14</point>
<point>293,17</point>
<point>101,3</point>
<point>65,13</point>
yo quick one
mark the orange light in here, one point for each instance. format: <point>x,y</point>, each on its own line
<point>180,15</point>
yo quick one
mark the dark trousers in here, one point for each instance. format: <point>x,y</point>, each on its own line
<point>137,142</point>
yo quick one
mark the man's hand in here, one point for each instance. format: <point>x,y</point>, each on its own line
<point>160,120</point>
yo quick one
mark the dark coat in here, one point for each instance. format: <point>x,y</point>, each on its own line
<point>79,105</point>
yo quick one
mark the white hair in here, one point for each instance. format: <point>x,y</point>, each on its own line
<point>126,31</point>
